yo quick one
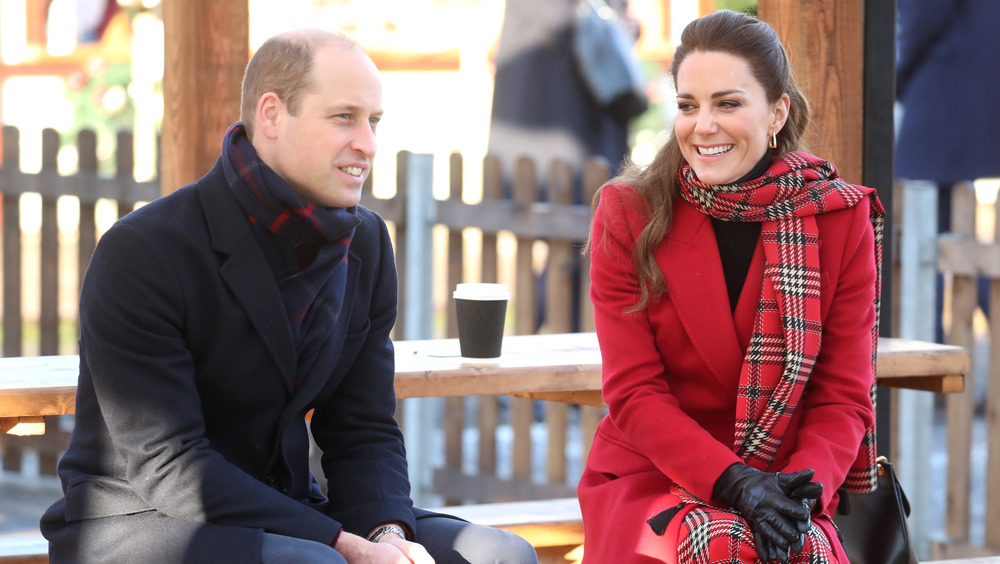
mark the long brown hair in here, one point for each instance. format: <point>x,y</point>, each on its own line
<point>658,183</point>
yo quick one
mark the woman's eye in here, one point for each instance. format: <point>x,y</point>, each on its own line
<point>729,104</point>
<point>684,106</point>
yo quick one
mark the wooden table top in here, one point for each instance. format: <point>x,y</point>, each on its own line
<point>562,367</point>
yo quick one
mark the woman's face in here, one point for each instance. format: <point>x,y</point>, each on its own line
<point>724,120</point>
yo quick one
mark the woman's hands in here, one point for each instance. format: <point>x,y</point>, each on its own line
<point>775,504</point>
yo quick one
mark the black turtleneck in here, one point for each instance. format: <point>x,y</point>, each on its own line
<point>737,240</point>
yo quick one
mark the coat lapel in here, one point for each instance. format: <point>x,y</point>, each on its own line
<point>245,270</point>
<point>689,259</point>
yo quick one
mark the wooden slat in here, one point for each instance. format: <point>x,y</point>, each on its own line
<point>558,316</point>
<point>973,560</point>
<point>12,315</point>
<point>454,416</point>
<point>22,426</point>
<point>960,407</point>
<point>49,275</point>
<point>531,364</point>
<point>549,522</point>
<point>23,549</point>
<point>402,188</point>
<point>521,410</point>
<point>992,517</point>
<point>489,406</point>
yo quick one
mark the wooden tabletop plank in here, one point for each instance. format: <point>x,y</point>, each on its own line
<point>562,367</point>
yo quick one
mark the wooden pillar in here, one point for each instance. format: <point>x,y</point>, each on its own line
<point>825,42</point>
<point>843,55</point>
<point>206,47</point>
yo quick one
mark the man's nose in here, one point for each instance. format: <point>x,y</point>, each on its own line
<point>364,140</point>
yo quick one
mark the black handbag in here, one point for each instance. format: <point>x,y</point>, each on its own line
<point>873,525</point>
<point>604,57</point>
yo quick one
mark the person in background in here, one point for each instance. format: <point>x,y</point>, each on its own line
<point>542,108</point>
<point>215,318</point>
<point>947,77</point>
<point>717,271</point>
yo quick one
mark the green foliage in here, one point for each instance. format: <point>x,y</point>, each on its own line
<point>101,102</point>
<point>747,6</point>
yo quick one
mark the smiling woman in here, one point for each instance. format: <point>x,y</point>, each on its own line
<point>724,118</point>
<point>716,270</point>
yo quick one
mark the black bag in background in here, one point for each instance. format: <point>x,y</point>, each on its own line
<point>604,56</point>
<point>873,525</point>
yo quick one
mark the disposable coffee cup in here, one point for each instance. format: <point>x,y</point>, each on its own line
<point>481,309</point>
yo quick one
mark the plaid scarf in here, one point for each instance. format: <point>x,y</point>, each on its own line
<point>308,254</point>
<point>787,329</point>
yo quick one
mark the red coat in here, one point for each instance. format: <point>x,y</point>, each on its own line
<point>671,373</point>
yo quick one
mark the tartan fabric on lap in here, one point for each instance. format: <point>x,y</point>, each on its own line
<point>714,536</point>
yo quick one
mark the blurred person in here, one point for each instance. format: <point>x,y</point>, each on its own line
<point>947,77</point>
<point>542,108</point>
<point>215,318</point>
<point>716,272</point>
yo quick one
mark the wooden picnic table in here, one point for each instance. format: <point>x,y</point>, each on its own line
<point>561,367</point>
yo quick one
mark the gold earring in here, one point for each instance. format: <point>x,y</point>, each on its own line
<point>773,141</point>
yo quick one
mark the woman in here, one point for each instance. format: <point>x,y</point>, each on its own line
<point>717,271</point>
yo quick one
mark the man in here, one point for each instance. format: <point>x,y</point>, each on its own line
<point>213,319</point>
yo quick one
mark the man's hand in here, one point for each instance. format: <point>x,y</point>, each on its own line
<point>415,552</point>
<point>391,549</point>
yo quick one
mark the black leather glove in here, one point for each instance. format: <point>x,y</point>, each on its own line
<point>775,519</point>
<point>766,552</point>
<point>807,494</point>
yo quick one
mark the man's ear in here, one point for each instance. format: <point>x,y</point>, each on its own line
<point>269,111</point>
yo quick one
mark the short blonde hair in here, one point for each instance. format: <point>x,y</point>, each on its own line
<point>283,65</point>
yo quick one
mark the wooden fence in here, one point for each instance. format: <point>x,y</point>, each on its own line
<point>553,228</point>
<point>963,260</point>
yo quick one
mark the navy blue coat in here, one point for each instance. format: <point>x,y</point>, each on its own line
<point>190,438</point>
<point>948,77</point>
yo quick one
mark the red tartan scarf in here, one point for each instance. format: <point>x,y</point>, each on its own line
<point>787,330</point>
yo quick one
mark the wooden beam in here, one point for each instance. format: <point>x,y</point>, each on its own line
<point>825,42</point>
<point>22,426</point>
<point>206,49</point>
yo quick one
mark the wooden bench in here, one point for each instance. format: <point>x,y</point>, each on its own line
<point>553,526</point>
<point>976,560</point>
<point>24,549</point>
<point>544,523</point>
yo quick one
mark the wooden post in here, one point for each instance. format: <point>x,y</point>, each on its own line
<point>961,407</point>
<point>825,42</point>
<point>206,47</point>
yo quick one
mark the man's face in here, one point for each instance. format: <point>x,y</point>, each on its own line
<point>325,152</point>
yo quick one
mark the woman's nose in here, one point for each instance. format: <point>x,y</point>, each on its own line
<point>705,123</point>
